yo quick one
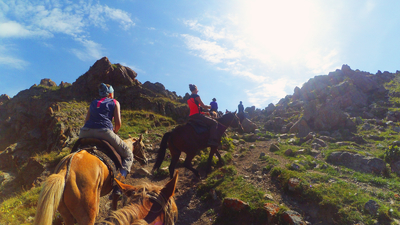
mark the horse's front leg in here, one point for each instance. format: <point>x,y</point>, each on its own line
<point>220,160</point>
<point>213,150</point>
<point>188,165</point>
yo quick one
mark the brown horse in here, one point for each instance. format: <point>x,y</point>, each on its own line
<point>184,138</point>
<point>147,204</point>
<point>80,179</point>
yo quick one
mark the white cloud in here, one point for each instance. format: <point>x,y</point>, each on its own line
<point>209,51</point>
<point>57,21</point>
<point>320,62</point>
<point>12,29</point>
<point>13,62</point>
<point>207,31</point>
<point>267,92</point>
<point>134,68</point>
<point>119,16</point>
<point>49,18</point>
<point>92,50</point>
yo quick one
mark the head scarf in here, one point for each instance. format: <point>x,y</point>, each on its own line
<point>104,90</point>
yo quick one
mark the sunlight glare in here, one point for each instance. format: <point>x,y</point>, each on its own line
<point>278,28</point>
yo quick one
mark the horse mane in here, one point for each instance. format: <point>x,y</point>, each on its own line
<point>140,205</point>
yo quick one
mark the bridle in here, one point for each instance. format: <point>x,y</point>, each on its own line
<point>136,151</point>
<point>226,126</point>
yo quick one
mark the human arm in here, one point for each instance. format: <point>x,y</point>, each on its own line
<point>201,103</point>
<point>117,117</point>
<point>87,115</point>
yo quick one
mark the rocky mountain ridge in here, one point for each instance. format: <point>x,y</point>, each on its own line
<point>332,104</point>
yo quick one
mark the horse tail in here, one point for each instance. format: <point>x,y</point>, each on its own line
<point>161,152</point>
<point>49,199</point>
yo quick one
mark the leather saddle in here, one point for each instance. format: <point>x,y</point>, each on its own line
<point>198,125</point>
<point>102,150</point>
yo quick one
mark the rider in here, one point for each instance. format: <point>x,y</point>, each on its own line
<point>214,105</point>
<point>98,124</point>
<point>194,103</point>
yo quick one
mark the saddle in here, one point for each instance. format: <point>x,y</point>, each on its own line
<point>102,150</point>
<point>198,125</point>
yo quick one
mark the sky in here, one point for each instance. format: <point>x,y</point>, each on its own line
<point>254,51</point>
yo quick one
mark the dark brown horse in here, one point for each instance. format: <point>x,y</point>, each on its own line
<point>147,204</point>
<point>184,138</point>
<point>80,179</point>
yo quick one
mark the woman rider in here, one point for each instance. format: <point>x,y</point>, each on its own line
<point>98,124</point>
<point>194,103</point>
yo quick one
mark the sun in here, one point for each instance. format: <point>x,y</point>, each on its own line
<point>279,28</point>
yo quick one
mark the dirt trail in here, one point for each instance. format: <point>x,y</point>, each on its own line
<point>191,209</point>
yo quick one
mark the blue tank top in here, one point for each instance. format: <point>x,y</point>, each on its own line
<point>101,114</point>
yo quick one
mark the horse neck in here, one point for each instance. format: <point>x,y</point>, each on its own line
<point>225,122</point>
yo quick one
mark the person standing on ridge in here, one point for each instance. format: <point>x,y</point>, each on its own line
<point>194,103</point>
<point>240,108</point>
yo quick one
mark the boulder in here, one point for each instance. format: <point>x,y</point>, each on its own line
<point>357,162</point>
<point>301,128</point>
<point>235,204</point>
<point>329,118</point>
<point>248,126</point>
<point>48,83</point>
<point>275,124</point>
<point>272,212</point>
<point>293,218</point>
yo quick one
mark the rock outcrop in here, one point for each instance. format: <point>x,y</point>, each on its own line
<point>331,103</point>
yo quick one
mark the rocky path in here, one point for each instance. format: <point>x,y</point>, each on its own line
<point>248,165</point>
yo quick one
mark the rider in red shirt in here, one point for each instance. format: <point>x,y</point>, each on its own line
<point>194,103</point>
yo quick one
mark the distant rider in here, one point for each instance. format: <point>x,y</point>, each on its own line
<point>214,105</point>
<point>194,103</point>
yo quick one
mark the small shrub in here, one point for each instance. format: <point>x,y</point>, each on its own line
<point>392,154</point>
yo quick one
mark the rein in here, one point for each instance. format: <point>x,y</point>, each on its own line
<point>228,124</point>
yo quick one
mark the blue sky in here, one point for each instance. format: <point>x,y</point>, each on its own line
<point>251,51</point>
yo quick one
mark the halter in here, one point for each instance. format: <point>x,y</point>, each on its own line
<point>135,150</point>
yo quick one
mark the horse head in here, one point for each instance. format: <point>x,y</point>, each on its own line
<point>231,120</point>
<point>148,202</point>
<point>138,150</point>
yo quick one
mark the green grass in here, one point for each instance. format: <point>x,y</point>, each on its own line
<point>139,122</point>
<point>227,184</point>
<point>271,162</point>
<point>52,158</point>
<point>21,208</point>
<point>331,192</point>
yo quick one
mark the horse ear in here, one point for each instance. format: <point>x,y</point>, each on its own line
<point>127,189</point>
<point>235,111</point>
<point>140,138</point>
<point>169,189</point>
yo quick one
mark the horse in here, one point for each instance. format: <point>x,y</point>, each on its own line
<point>75,188</point>
<point>147,204</point>
<point>184,138</point>
<point>213,114</point>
